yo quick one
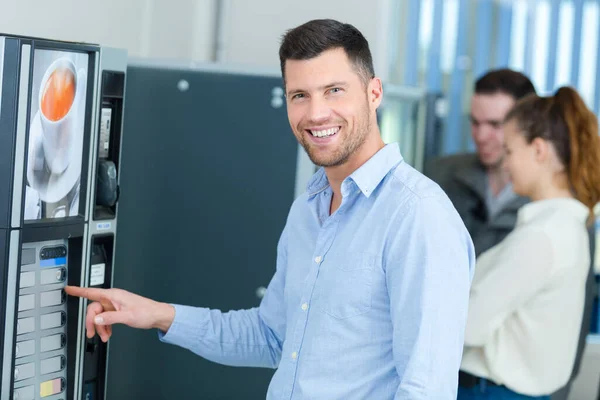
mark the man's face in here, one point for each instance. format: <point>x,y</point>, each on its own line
<point>487,114</point>
<point>330,108</point>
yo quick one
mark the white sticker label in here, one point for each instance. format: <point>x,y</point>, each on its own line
<point>97,274</point>
<point>106,118</point>
<point>103,226</point>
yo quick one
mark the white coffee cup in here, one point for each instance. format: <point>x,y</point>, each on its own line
<point>57,135</point>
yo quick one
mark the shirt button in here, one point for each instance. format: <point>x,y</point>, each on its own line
<point>294,355</point>
<point>318,259</point>
<point>304,307</point>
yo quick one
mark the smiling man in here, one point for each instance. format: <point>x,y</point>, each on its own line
<point>370,294</point>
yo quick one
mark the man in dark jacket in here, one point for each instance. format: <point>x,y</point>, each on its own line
<point>476,183</point>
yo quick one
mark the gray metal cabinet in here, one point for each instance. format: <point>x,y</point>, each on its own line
<point>207,179</point>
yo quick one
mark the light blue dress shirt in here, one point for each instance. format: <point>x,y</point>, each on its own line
<point>367,303</point>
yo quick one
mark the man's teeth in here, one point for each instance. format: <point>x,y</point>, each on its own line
<point>325,132</point>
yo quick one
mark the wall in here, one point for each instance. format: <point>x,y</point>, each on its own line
<point>147,28</point>
<point>252,30</point>
<point>160,30</point>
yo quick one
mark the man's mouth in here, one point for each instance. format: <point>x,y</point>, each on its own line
<point>322,133</point>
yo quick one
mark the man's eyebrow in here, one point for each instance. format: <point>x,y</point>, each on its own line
<point>327,86</point>
<point>333,84</point>
<point>486,121</point>
<point>294,91</point>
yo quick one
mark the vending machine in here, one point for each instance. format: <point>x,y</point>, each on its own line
<point>61,107</point>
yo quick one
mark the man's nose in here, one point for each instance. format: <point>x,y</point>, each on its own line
<point>319,110</point>
<point>481,134</point>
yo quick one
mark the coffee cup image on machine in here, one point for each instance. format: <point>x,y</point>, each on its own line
<point>56,134</point>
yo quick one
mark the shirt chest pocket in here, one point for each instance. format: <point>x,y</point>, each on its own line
<point>345,282</point>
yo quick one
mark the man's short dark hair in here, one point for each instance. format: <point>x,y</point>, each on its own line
<point>506,81</point>
<point>311,39</point>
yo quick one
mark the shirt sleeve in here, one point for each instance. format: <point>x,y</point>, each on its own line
<point>504,280</point>
<point>250,338</point>
<point>428,270</point>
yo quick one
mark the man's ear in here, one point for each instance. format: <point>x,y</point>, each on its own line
<point>375,92</point>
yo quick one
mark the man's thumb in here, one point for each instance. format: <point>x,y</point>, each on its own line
<point>110,318</point>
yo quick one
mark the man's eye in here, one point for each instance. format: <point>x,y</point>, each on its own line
<point>298,96</point>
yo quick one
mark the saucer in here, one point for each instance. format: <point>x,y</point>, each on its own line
<point>54,187</point>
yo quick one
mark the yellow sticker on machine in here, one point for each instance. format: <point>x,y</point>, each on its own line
<point>50,388</point>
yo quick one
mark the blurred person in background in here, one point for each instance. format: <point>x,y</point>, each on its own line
<point>476,183</point>
<point>528,292</point>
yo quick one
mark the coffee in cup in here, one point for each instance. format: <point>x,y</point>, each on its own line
<point>59,94</point>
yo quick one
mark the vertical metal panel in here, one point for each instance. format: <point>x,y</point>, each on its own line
<point>529,37</point>
<point>553,45</point>
<point>411,58</point>
<point>9,327</point>
<point>22,114</point>
<point>518,34</point>
<point>394,37</point>
<point>454,132</point>
<point>597,91</point>
<point>483,29</point>
<point>503,34</point>
<point>434,72</point>
<point>576,54</point>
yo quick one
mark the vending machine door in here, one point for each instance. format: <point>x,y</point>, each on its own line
<point>208,175</point>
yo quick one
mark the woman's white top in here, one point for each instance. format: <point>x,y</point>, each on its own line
<point>527,299</point>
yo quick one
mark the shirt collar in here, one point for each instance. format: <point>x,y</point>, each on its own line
<point>540,208</point>
<point>368,176</point>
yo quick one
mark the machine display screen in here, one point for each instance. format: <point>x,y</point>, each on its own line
<point>56,134</point>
